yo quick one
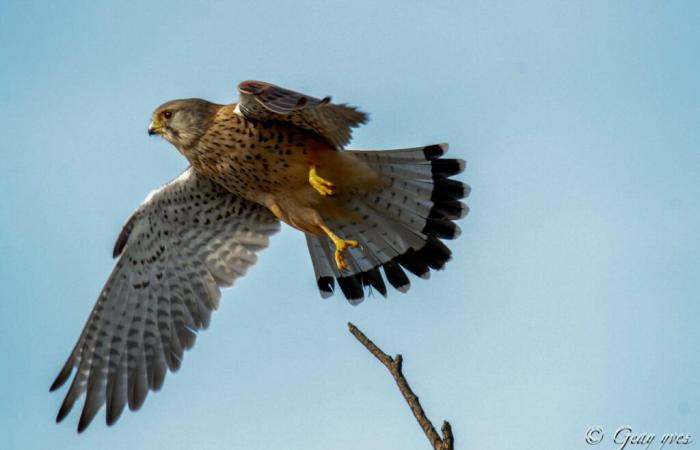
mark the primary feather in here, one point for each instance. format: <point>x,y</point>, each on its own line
<point>188,239</point>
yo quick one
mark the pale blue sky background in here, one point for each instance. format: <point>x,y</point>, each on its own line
<point>572,300</point>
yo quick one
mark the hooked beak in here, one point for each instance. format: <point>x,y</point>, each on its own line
<point>154,128</point>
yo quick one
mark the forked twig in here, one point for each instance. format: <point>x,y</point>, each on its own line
<point>394,366</point>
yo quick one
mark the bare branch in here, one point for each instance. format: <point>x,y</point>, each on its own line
<point>394,366</point>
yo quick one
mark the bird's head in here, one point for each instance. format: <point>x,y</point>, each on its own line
<point>182,122</point>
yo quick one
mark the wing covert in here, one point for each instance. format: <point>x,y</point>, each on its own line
<point>333,122</point>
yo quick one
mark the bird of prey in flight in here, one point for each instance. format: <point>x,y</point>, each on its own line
<point>276,155</point>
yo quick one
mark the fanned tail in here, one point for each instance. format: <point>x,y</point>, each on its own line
<point>403,225</point>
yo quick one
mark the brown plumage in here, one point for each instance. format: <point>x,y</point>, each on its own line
<point>283,150</point>
<point>267,161</point>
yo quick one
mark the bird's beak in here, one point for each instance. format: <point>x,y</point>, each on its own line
<point>154,128</point>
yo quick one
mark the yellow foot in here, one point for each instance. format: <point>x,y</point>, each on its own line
<point>323,186</point>
<point>340,246</point>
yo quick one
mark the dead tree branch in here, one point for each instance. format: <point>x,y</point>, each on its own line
<point>394,366</point>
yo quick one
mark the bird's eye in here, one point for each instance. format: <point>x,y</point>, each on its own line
<point>167,114</point>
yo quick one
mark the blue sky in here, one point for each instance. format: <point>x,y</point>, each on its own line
<point>572,300</point>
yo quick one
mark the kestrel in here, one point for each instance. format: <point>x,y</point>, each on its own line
<point>275,155</point>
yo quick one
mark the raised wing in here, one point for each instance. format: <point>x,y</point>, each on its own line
<point>265,101</point>
<point>186,240</point>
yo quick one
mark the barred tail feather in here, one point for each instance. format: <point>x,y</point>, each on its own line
<point>403,224</point>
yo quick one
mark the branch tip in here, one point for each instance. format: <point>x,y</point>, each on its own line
<point>394,367</point>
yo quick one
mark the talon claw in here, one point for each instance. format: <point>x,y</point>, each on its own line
<point>322,186</point>
<point>341,245</point>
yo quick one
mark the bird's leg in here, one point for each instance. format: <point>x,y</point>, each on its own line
<point>340,246</point>
<point>323,186</point>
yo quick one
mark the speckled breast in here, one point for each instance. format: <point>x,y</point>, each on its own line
<point>250,157</point>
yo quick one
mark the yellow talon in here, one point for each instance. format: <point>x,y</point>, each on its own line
<point>340,246</point>
<point>323,186</point>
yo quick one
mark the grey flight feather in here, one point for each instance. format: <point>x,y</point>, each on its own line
<point>188,239</point>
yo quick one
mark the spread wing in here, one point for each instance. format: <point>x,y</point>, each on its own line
<point>187,239</point>
<point>265,101</point>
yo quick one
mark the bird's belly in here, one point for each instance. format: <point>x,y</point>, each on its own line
<point>256,166</point>
<point>269,163</point>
